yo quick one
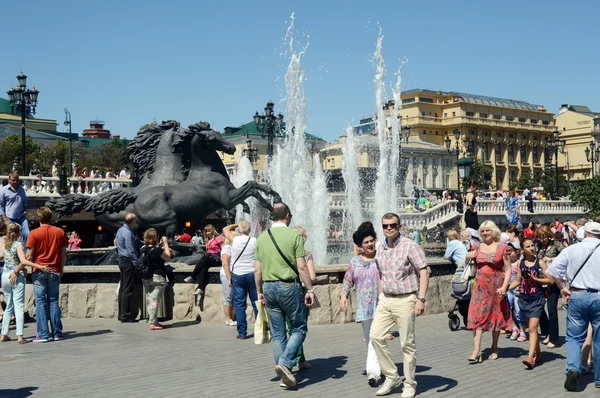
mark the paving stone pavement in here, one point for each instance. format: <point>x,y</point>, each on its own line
<point>103,358</point>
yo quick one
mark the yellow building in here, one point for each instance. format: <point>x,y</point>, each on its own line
<point>248,134</point>
<point>508,135</point>
<point>579,126</point>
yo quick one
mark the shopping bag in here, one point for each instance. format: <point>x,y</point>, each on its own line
<point>373,368</point>
<point>262,331</point>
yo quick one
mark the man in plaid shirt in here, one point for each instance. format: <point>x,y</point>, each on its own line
<point>404,282</point>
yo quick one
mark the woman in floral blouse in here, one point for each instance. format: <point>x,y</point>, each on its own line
<point>363,274</point>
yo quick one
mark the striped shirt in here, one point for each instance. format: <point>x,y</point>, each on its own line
<point>399,265</point>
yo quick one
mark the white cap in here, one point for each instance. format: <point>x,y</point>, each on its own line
<point>592,228</point>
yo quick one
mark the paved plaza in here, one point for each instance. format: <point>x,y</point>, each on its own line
<point>103,358</point>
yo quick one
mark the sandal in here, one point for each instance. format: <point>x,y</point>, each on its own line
<point>22,341</point>
<point>4,338</point>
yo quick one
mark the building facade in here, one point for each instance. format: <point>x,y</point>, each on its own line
<point>579,126</point>
<point>507,135</point>
<point>247,135</point>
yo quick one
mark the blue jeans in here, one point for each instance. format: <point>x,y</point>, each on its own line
<point>285,300</point>
<point>513,300</point>
<point>584,308</point>
<point>24,228</point>
<point>46,285</point>
<point>243,286</point>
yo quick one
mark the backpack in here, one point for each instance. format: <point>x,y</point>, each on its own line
<point>144,268</point>
<point>463,282</point>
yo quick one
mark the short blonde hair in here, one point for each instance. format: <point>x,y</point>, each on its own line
<point>452,235</point>
<point>300,229</point>
<point>151,237</point>
<point>496,233</point>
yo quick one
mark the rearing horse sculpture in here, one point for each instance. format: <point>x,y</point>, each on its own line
<point>185,181</point>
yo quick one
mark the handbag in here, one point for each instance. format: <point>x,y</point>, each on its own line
<point>262,331</point>
<point>316,303</point>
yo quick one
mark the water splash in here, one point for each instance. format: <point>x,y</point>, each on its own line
<point>353,214</point>
<point>245,173</point>
<point>301,185</point>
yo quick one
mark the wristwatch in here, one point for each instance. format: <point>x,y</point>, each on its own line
<point>423,300</point>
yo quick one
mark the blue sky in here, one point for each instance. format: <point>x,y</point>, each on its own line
<point>128,62</point>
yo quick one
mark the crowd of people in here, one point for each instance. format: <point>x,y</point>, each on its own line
<point>519,277</point>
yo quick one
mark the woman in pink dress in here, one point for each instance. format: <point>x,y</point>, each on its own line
<point>489,309</point>
<point>74,241</point>
<point>212,258</point>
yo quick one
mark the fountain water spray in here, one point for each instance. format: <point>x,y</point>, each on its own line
<point>245,172</point>
<point>290,174</point>
<point>353,214</point>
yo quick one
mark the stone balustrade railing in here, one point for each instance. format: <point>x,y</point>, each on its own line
<point>94,186</point>
<point>497,207</point>
<point>338,202</point>
<point>438,214</point>
<point>37,186</point>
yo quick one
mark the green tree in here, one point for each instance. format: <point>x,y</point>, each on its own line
<point>586,194</point>
<point>525,180</point>
<point>56,152</point>
<point>10,152</point>
<point>548,181</point>
<point>477,170</point>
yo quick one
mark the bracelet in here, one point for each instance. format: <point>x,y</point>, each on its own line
<point>310,291</point>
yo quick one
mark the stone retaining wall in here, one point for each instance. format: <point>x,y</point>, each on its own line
<point>89,299</point>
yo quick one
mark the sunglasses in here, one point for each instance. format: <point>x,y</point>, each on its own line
<point>390,226</point>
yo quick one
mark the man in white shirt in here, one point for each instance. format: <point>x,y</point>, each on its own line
<point>242,273</point>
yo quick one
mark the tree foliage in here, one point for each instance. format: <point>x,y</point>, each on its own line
<point>10,153</point>
<point>477,170</point>
<point>525,180</point>
<point>586,194</point>
<point>548,181</point>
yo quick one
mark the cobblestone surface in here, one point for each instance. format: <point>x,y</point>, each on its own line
<point>103,358</point>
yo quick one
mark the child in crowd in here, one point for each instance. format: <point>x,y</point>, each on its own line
<point>518,329</point>
<point>530,280</point>
<point>455,251</point>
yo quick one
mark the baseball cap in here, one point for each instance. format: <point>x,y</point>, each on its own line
<point>592,228</point>
<point>515,245</point>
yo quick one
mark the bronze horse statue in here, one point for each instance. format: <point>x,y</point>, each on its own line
<point>182,179</point>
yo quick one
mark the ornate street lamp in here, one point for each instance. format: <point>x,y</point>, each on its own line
<point>464,168</point>
<point>269,125</point>
<point>557,144</point>
<point>592,154</point>
<point>250,152</point>
<point>23,102</point>
<point>69,125</point>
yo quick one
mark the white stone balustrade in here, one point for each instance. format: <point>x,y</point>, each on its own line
<point>94,186</point>
<point>498,207</point>
<point>35,186</point>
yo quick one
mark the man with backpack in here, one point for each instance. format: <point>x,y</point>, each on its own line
<point>243,247</point>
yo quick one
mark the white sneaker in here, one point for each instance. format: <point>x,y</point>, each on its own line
<point>408,392</point>
<point>188,279</point>
<point>388,386</point>
<point>198,292</point>
<point>286,375</point>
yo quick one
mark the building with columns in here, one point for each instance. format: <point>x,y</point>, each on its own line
<point>580,127</point>
<point>507,135</point>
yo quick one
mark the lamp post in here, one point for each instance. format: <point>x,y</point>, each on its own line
<point>464,168</point>
<point>22,101</point>
<point>269,125</point>
<point>557,144</point>
<point>68,124</point>
<point>250,152</point>
<point>592,154</point>
<point>403,162</point>
<point>455,151</point>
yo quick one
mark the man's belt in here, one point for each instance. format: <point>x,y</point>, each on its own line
<point>575,289</point>
<point>398,295</point>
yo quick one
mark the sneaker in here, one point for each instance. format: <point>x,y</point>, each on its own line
<point>408,392</point>
<point>198,292</point>
<point>282,385</point>
<point>514,335</point>
<point>39,340</point>
<point>303,365</point>
<point>188,279</point>
<point>286,375</point>
<point>372,381</point>
<point>388,386</point>
<point>59,337</point>
<point>522,338</point>
<point>571,381</point>
<point>156,327</point>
